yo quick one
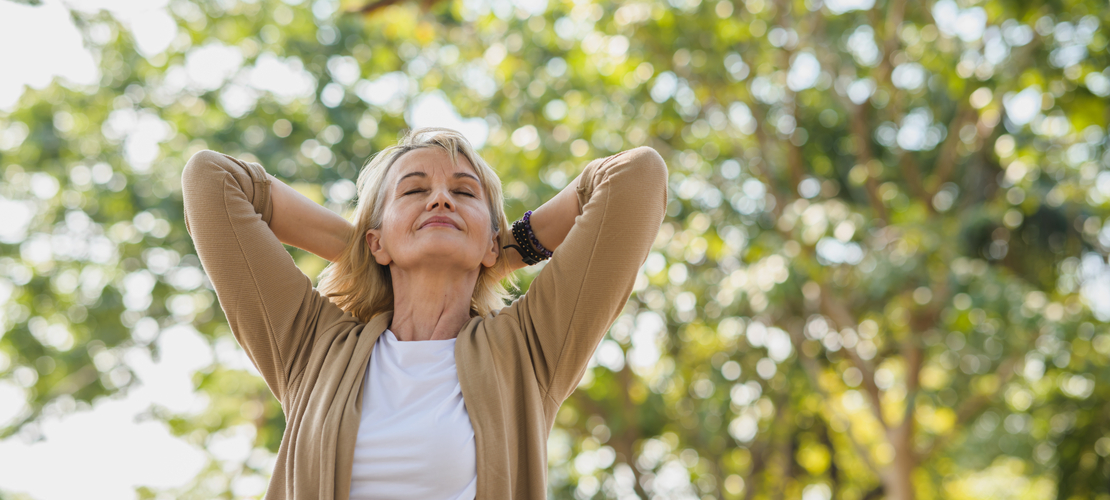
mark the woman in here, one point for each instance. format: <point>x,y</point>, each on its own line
<point>405,375</point>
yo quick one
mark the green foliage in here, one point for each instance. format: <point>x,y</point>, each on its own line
<point>875,278</point>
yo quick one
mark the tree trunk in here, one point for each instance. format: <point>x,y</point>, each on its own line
<point>898,476</point>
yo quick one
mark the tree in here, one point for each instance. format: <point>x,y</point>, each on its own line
<point>877,279</point>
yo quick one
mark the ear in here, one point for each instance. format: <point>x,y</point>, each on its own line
<point>490,257</point>
<point>374,243</point>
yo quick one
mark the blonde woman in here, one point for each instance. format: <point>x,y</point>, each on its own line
<point>405,375</point>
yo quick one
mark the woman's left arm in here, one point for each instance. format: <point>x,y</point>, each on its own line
<point>601,228</point>
<point>551,222</point>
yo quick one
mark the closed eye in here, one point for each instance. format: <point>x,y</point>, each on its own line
<point>464,193</point>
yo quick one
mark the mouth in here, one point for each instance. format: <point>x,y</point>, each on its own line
<point>439,221</point>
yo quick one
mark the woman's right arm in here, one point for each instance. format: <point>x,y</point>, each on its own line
<point>305,224</point>
<point>602,229</point>
<point>270,305</point>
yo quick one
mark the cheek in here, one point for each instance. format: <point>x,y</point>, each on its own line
<point>393,222</point>
<point>481,220</point>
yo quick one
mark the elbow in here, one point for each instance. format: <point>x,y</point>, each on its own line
<point>639,173</point>
<point>651,169</point>
<point>193,177</point>
<point>199,163</point>
<point>206,167</point>
<point>201,173</point>
<point>195,195</point>
<point>207,173</point>
<point>201,166</point>
<point>650,163</point>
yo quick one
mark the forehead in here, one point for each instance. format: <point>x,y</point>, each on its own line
<point>432,161</point>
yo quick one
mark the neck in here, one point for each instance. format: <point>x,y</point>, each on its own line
<point>430,303</point>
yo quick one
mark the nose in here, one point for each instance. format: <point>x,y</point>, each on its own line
<point>440,199</point>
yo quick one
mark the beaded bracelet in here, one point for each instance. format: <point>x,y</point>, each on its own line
<point>532,236</point>
<point>530,249</point>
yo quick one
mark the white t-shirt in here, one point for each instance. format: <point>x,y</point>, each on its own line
<point>415,439</point>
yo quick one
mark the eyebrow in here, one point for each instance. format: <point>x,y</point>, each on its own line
<point>458,175</point>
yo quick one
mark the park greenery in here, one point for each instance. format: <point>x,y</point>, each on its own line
<point>882,273</point>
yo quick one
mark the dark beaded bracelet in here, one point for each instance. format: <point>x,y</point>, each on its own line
<point>530,249</point>
<point>532,236</point>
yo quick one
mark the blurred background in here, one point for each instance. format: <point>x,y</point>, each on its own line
<point>883,272</point>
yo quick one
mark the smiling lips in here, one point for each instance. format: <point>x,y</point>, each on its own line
<point>439,221</point>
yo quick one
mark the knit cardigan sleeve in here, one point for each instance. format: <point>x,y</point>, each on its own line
<point>270,305</point>
<point>578,295</point>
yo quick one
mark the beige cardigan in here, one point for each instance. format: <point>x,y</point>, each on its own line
<point>515,366</point>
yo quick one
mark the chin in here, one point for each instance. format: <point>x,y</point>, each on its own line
<point>444,255</point>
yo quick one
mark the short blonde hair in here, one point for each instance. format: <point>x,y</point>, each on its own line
<point>358,284</point>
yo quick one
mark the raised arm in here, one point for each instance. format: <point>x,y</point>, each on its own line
<point>551,222</point>
<point>602,227</point>
<point>303,223</point>
<point>269,303</point>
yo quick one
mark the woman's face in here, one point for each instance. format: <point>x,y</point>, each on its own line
<point>435,215</point>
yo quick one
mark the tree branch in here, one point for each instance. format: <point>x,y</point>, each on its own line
<point>911,353</point>
<point>794,158</point>
<point>971,408</point>
<point>861,131</point>
<point>895,14</point>
<point>945,163</point>
<point>843,319</point>
<point>811,369</point>
<point>371,7</point>
<point>765,147</point>
<point>912,173</point>
<point>759,462</point>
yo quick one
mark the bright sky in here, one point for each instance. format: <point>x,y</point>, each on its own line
<point>51,45</point>
<point>107,451</point>
<point>55,50</point>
